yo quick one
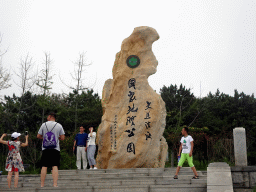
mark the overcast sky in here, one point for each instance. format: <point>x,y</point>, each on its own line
<point>207,41</point>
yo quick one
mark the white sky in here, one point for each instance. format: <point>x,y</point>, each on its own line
<point>207,41</point>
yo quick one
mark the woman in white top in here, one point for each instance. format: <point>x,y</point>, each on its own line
<point>91,148</point>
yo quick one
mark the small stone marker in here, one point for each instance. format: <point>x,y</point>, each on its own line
<point>240,146</point>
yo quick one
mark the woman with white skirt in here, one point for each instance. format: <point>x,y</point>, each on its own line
<point>91,148</point>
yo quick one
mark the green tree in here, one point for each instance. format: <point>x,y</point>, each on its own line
<point>88,107</point>
<point>181,106</point>
<point>182,109</point>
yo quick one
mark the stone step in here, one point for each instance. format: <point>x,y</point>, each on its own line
<point>110,180</point>
<point>98,174</point>
<point>135,173</point>
<point>132,188</point>
<point>82,179</point>
<point>113,182</point>
<point>107,176</point>
<point>133,170</point>
<point>74,184</point>
<point>84,175</point>
<point>166,172</point>
<point>120,171</point>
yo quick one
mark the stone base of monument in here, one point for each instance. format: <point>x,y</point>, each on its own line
<point>115,180</point>
<point>219,177</point>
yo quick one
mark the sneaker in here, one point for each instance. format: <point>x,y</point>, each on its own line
<point>90,168</point>
<point>95,167</point>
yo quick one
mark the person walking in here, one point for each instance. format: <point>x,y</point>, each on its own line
<point>186,146</point>
<point>80,142</point>
<point>51,132</point>
<point>14,162</point>
<point>91,148</point>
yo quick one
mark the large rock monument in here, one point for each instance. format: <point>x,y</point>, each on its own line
<point>131,132</point>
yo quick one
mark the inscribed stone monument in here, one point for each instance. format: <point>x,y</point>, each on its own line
<point>131,132</point>
<point>240,146</point>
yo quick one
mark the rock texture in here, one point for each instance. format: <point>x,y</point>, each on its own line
<point>131,132</point>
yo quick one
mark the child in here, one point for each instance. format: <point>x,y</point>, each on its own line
<point>187,150</point>
<point>14,162</point>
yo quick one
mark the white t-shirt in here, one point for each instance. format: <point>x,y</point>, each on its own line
<point>91,140</point>
<point>58,130</point>
<point>186,145</point>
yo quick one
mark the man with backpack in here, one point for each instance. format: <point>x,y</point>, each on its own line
<point>51,132</point>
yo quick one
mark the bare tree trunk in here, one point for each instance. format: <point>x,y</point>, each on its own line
<point>5,76</point>
<point>27,81</point>
<point>78,72</point>
<point>43,116</point>
<point>76,115</point>
<point>44,81</point>
<point>172,158</point>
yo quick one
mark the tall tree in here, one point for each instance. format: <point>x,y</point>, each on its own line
<point>44,81</point>
<point>180,106</point>
<point>5,76</point>
<point>89,110</point>
<point>78,77</point>
<point>26,74</point>
<point>27,80</point>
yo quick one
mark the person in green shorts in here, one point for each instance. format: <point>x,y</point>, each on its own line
<point>187,149</point>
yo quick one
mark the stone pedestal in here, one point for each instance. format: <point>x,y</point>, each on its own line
<point>240,149</point>
<point>219,177</point>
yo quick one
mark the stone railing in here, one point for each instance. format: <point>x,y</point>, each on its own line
<point>221,177</point>
<point>244,177</point>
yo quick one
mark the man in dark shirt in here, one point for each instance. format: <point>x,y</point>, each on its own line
<point>81,142</point>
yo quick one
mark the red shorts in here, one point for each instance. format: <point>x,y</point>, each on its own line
<point>15,169</point>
